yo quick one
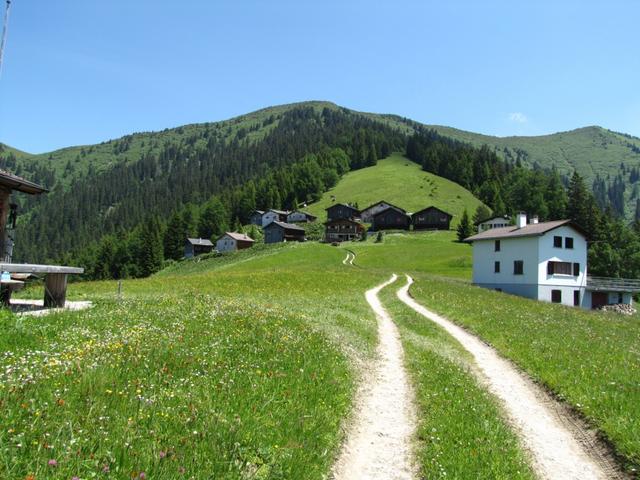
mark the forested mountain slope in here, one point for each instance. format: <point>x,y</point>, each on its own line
<point>609,161</point>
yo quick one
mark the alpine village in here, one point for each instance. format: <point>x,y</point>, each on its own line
<point>307,291</point>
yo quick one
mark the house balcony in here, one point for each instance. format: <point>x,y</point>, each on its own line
<point>610,284</point>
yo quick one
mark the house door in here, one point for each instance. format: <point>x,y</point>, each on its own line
<point>598,299</point>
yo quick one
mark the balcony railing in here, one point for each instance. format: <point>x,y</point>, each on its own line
<point>613,284</point>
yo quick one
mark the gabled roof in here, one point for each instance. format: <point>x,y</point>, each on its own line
<point>304,213</point>
<point>383,201</point>
<point>200,241</point>
<point>495,217</point>
<point>279,212</point>
<point>237,236</point>
<point>344,205</point>
<point>15,182</point>
<point>287,226</point>
<point>432,208</point>
<point>530,230</point>
<point>399,210</point>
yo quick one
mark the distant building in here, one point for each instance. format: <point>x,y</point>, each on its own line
<point>391,218</point>
<point>232,241</point>
<point>544,261</point>
<point>262,218</point>
<point>493,222</point>
<point>367,214</point>
<point>340,211</point>
<point>431,218</point>
<point>300,217</point>
<point>197,246</point>
<point>343,229</point>
<point>256,217</point>
<point>278,231</point>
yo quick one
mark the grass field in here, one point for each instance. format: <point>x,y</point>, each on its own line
<point>257,353</point>
<point>402,182</point>
<point>589,359</point>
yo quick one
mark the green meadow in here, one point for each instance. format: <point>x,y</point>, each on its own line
<point>402,182</point>
<point>245,366</point>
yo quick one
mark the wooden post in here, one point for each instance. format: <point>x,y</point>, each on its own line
<point>55,290</point>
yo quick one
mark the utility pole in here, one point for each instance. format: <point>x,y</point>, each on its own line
<point>5,26</point>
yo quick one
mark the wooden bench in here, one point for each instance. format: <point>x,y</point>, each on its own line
<point>55,281</point>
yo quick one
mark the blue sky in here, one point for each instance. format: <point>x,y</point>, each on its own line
<point>79,72</point>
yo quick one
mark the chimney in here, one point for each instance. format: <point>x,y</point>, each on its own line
<point>534,220</point>
<point>521,220</point>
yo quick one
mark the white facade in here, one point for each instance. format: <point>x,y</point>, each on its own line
<point>496,222</point>
<point>535,253</point>
<point>269,217</point>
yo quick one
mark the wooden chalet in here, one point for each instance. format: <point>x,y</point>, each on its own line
<point>55,286</point>
<point>301,217</point>
<point>256,217</point>
<point>277,232</point>
<point>342,211</point>
<point>343,229</point>
<point>197,246</point>
<point>431,218</point>
<point>391,218</point>
<point>367,214</point>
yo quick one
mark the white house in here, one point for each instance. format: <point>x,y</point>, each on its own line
<point>493,222</point>
<point>544,261</point>
<point>232,241</point>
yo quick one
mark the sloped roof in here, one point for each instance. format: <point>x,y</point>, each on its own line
<point>279,212</point>
<point>304,213</point>
<point>15,182</point>
<point>530,230</point>
<point>238,236</point>
<point>344,205</point>
<point>399,210</point>
<point>383,201</point>
<point>288,226</point>
<point>200,241</point>
<point>432,208</point>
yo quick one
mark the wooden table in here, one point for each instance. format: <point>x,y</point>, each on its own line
<point>55,281</point>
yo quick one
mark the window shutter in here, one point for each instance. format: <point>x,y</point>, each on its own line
<point>576,269</point>
<point>549,268</point>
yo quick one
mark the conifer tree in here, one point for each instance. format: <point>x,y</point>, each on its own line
<point>465,229</point>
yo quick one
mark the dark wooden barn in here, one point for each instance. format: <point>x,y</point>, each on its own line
<point>431,218</point>
<point>283,232</point>
<point>342,230</point>
<point>342,211</point>
<point>391,218</point>
<point>197,246</point>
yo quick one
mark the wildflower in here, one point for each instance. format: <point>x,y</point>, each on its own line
<point>52,463</point>
<point>142,476</point>
<point>163,454</point>
<point>75,478</point>
<point>105,469</point>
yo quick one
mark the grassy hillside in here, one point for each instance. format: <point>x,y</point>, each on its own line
<point>258,353</point>
<point>590,151</point>
<point>401,182</point>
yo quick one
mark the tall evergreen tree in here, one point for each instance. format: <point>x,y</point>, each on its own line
<point>149,247</point>
<point>175,236</point>
<point>213,219</point>
<point>578,196</point>
<point>465,228</point>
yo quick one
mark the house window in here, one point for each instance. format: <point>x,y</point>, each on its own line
<point>557,242</point>
<point>568,242</point>
<point>556,296</point>
<point>496,267</point>
<point>518,267</point>
<point>576,269</point>
<point>497,246</point>
<point>576,298</point>
<point>559,268</point>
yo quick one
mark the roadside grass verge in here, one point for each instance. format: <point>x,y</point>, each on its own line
<point>461,431</point>
<point>194,386</point>
<point>589,359</point>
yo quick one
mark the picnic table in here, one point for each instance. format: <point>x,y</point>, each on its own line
<point>55,280</point>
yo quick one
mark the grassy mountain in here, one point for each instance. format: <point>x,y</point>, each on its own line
<point>402,182</point>
<point>591,151</point>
